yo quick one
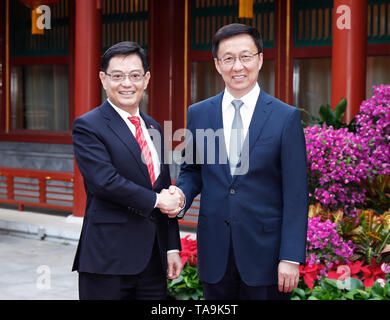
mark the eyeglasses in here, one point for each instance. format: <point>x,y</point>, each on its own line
<point>244,58</point>
<point>120,76</point>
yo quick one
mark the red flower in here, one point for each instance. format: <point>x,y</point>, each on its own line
<point>310,273</point>
<point>371,273</point>
<point>368,273</point>
<point>189,251</point>
<point>344,271</point>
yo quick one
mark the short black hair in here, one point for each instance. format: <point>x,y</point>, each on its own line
<point>235,29</point>
<point>124,48</point>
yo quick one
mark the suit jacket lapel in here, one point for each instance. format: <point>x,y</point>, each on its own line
<point>259,118</point>
<point>216,123</point>
<point>122,131</point>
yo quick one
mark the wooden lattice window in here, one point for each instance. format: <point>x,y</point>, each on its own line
<point>207,16</point>
<point>125,20</point>
<point>378,22</point>
<point>54,41</point>
<point>313,22</point>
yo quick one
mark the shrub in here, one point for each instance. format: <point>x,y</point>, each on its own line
<point>324,245</point>
<point>336,167</point>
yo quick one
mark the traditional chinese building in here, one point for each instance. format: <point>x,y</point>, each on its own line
<point>315,51</point>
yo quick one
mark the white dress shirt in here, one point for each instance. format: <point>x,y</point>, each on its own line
<point>246,111</point>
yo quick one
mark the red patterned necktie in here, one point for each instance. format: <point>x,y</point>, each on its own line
<point>139,135</point>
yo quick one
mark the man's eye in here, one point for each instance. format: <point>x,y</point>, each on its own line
<point>136,76</point>
<point>117,76</point>
<point>228,59</point>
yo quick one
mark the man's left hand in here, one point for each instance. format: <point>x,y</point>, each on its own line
<point>175,265</point>
<point>288,276</point>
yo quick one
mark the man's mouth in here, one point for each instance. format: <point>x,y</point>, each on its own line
<point>238,77</point>
<point>127,93</point>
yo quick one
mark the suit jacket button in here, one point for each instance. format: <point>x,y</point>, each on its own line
<point>232,191</point>
<point>227,222</point>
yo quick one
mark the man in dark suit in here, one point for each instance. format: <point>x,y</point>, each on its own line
<point>254,198</point>
<point>126,243</point>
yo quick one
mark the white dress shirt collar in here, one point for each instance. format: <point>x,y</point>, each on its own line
<point>246,111</point>
<point>124,114</point>
<point>249,99</point>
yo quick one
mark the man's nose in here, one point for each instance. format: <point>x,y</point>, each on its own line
<point>126,81</point>
<point>237,64</point>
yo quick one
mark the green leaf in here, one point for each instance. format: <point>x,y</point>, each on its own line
<point>356,284</point>
<point>327,115</point>
<point>176,281</point>
<point>363,294</point>
<point>300,293</point>
<point>350,295</point>
<point>376,298</point>
<point>388,293</point>
<point>329,284</point>
<point>340,109</point>
<point>376,288</point>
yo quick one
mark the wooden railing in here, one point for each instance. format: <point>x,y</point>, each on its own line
<point>46,189</point>
<point>191,217</point>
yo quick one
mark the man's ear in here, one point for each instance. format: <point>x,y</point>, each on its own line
<point>146,79</point>
<point>261,59</point>
<point>103,78</point>
<point>217,66</point>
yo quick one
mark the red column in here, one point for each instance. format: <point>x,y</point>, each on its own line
<point>349,54</point>
<point>86,70</point>
<point>283,51</point>
<point>166,87</point>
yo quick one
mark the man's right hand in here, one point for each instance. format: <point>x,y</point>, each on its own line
<point>171,201</point>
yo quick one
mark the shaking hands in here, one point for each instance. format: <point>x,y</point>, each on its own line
<point>171,201</point>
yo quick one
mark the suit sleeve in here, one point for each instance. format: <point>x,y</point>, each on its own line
<point>190,179</point>
<point>102,178</point>
<point>174,241</point>
<point>295,190</point>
